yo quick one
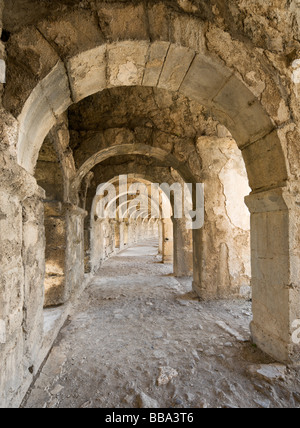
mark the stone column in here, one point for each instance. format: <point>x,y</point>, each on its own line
<point>117,235</point>
<point>198,262</point>
<point>275,255</point>
<point>160,237</point>
<point>33,254</point>
<point>55,255</point>
<point>140,234</point>
<point>64,251</point>
<point>222,247</point>
<point>126,237</point>
<point>147,229</point>
<point>87,246</point>
<point>132,232</point>
<point>22,269</point>
<point>155,229</point>
<point>110,239</point>
<point>122,234</point>
<point>97,243</point>
<point>167,241</point>
<point>183,249</point>
<point>75,249</point>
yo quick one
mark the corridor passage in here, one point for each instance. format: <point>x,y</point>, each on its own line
<point>138,337</point>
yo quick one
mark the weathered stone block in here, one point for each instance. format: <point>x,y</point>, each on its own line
<point>156,58</point>
<point>55,261</point>
<point>53,209</point>
<point>54,291</point>
<point>204,79</point>
<point>126,63</point>
<point>2,332</point>
<point>265,162</point>
<point>73,33</point>
<point>15,320</point>
<point>40,113</point>
<point>35,121</point>
<point>121,21</point>
<point>55,229</point>
<point>27,50</point>
<point>175,68</point>
<point>87,73</point>
<point>239,103</point>
<point>56,89</point>
<point>159,21</point>
<point>2,71</point>
<point>187,31</point>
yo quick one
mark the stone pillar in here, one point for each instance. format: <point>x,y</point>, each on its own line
<point>155,229</point>
<point>198,283</point>
<point>126,237</point>
<point>160,237</point>
<point>117,236</point>
<point>34,273</point>
<point>183,249</point>
<point>122,234</point>
<point>97,243</point>
<point>167,241</point>
<point>147,229</point>
<point>110,239</point>
<point>75,249</point>
<point>64,251</point>
<point>140,232</point>
<point>102,241</point>
<point>132,232</point>
<point>87,249</point>
<point>55,255</point>
<point>22,269</point>
<point>222,267</point>
<point>275,255</point>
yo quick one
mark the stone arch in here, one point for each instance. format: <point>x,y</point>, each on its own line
<point>145,179</point>
<point>147,199</point>
<point>207,80</point>
<point>95,225</point>
<point>131,149</point>
<point>139,63</point>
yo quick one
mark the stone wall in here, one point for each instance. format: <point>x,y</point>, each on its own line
<point>239,60</point>
<point>22,282</point>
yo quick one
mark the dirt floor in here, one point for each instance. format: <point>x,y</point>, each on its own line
<point>138,337</point>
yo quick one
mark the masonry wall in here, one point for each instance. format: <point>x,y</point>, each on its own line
<point>244,62</point>
<point>22,272</point>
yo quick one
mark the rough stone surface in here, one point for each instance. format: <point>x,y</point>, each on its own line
<point>226,242</point>
<point>155,89</point>
<point>98,365</point>
<point>146,402</point>
<point>270,372</point>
